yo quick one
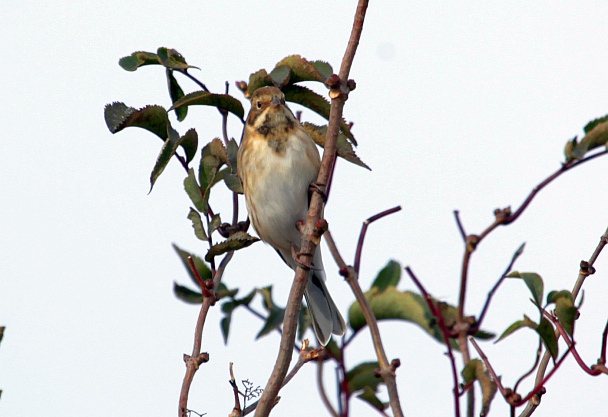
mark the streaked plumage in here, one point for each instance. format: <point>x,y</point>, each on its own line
<point>277,162</point>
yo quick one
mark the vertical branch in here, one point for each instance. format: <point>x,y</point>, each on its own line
<point>308,245</point>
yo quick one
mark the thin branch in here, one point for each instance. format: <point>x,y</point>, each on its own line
<point>534,365</point>
<point>436,312</point>
<point>332,411</point>
<point>484,310</point>
<point>460,226</point>
<point>308,244</point>
<point>570,342</point>
<point>602,360</point>
<point>489,367</point>
<point>544,363</point>
<point>236,411</point>
<point>366,223</point>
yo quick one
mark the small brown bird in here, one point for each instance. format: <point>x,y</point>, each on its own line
<point>277,162</point>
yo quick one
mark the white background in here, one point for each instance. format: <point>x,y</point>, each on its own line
<point>458,106</point>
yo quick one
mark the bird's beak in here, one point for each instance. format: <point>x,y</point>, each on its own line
<point>276,102</point>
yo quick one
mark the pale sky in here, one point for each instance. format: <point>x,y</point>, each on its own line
<point>462,106</point>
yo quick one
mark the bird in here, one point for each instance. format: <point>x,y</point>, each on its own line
<point>277,162</point>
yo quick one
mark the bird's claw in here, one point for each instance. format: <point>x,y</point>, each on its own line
<point>296,257</point>
<point>319,188</point>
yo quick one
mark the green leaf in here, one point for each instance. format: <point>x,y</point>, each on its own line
<point>176,92</point>
<point>315,102</point>
<point>187,295</point>
<point>324,69</point>
<point>591,125</point>
<point>189,143</point>
<point>197,224</point>
<point>275,316</point>
<point>280,76</point>
<point>204,98</point>
<point>565,310</point>
<point>526,322</point>
<point>194,191</point>
<point>547,334</point>
<point>475,370</point>
<point>257,80</point>
<point>534,283</point>
<point>369,396</point>
<point>225,327</point>
<point>236,241</point>
<point>201,267</point>
<point>232,151</point>
<point>165,155</point>
<point>172,59</point>
<point>344,149</point>
<point>215,222</point>
<point>152,118</point>
<point>362,376</point>
<point>301,69</point>
<point>231,180</point>
<point>138,59</point>
<point>596,136</point>
<point>389,276</point>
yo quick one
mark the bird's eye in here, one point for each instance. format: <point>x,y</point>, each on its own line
<point>259,104</point>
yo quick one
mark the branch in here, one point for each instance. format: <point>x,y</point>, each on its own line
<point>436,312</point>
<point>322,392</point>
<point>366,223</point>
<point>308,246</point>
<point>585,270</point>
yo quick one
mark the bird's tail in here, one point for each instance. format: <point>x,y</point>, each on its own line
<point>326,319</point>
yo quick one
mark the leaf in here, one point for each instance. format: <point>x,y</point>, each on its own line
<point>202,268</point>
<point>547,334</point>
<point>213,157</point>
<point>232,151</point>
<point>526,322</point>
<point>369,396</point>
<point>187,295</point>
<point>315,102</point>
<point>204,98</point>
<point>534,283</point>
<point>165,155</point>
<point>589,126</point>
<point>280,76</point>
<point>189,143</point>
<point>343,147</point>
<point>215,222</point>
<point>325,70</point>
<point>389,276</point>
<point>231,180</point>
<point>197,224</point>
<point>565,310</point>
<point>236,241</point>
<point>596,136</point>
<point>475,370</point>
<point>176,92</point>
<point>194,191</point>
<point>152,118</point>
<point>392,304</point>
<point>138,59</point>
<point>172,59</point>
<point>362,376</point>
<point>275,316</point>
<point>256,80</point>
<point>301,69</point>
<point>225,327</point>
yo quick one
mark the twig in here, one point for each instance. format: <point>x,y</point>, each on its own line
<point>366,223</point>
<point>436,312</point>
<point>236,411</point>
<point>460,226</point>
<point>570,342</point>
<point>321,386</point>
<point>602,360</point>
<point>314,213</point>
<point>484,310</point>
<point>536,361</point>
<point>489,367</point>
<point>542,368</point>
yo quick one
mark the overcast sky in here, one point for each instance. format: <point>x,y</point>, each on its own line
<point>462,105</point>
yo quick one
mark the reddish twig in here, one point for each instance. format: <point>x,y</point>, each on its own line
<point>436,312</point>
<point>332,411</point>
<point>366,223</point>
<point>602,360</point>
<point>463,234</point>
<point>489,367</point>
